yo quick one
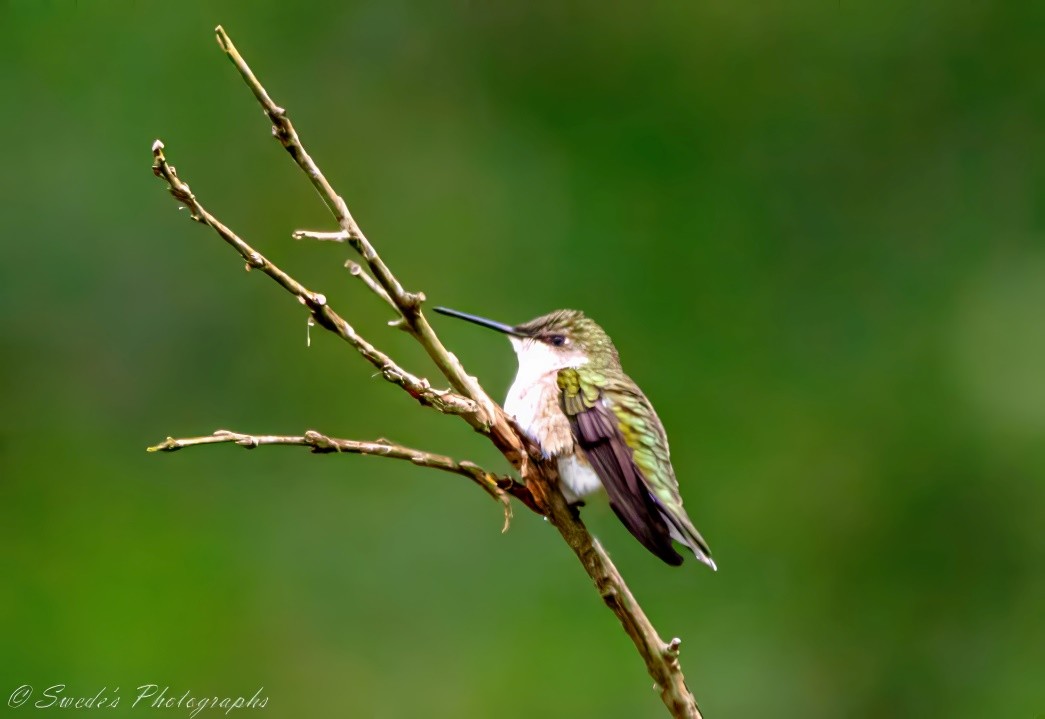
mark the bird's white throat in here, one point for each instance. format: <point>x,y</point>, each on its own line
<point>539,359</point>
<point>534,395</point>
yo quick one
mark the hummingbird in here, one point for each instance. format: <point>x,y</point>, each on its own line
<point>572,397</point>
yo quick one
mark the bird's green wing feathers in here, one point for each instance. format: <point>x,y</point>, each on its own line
<point>626,444</point>
<point>620,458</point>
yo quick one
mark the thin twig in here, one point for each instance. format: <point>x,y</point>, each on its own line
<point>499,486</point>
<point>418,388</point>
<point>408,303</point>
<point>340,236</point>
<point>283,130</point>
<point>356,270</point>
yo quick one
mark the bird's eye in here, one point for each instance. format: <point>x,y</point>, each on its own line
<point>557,340</point>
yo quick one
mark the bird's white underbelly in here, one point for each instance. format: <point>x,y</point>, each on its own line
<point>535,407</point>
<point>577,477</point>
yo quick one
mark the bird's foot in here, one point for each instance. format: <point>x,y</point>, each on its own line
<point>575,508</point>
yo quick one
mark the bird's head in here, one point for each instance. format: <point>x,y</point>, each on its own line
<point>557,340</point>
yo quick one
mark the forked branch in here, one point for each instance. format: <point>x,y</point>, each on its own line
<point>408,303</point>
<point>465,398</point>
<point>419,388</point>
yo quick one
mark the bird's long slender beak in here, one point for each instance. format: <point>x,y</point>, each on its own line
<point>481,321</point>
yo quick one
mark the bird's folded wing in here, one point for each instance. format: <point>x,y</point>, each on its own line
<point>598,432</point>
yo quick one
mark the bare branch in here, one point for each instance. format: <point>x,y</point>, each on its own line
<point>443,400</point>
<point>660,657</point>
<point>500,487</point>
<point>408,303</point>
<point>283,130</point>
<point>541,492</point>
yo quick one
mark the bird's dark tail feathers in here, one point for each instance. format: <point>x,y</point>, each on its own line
<point>683,532</point>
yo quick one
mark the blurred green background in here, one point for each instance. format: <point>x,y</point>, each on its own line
<point>816,231</point>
